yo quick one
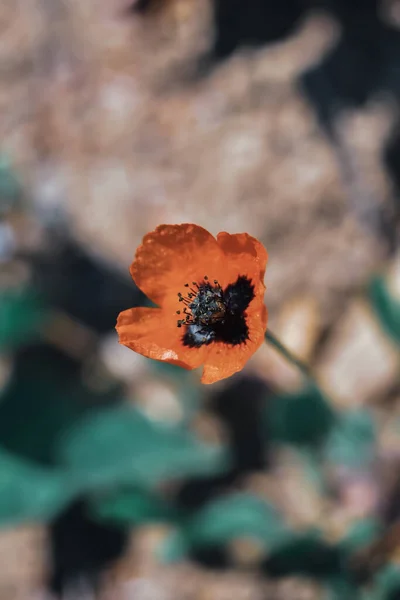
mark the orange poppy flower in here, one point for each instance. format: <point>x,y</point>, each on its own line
<point>210,294</point>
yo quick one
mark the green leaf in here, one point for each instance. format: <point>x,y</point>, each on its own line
<point>386,307</point>
<point>44,396</point>
<point>22,314</point>
<point>340,588</point>
<point>235,515</point>
<point>29,492</point>
<point>300,418</point>
<point>386,584</point>
<point>306,554</point>
<point>131,507</point>
<point>225,519</point>
<point>121,446</point>
<point>361,534</point>
<point>10,188</point>
<point>352,441</point>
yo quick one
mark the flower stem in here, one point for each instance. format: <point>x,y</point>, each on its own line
<point>273,340</point>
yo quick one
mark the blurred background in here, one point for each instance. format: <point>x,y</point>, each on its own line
<point>122,478</point>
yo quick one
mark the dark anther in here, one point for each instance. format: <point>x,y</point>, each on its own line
<point>214,314</point>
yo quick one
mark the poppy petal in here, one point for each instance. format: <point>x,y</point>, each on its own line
<point>223,360</point>
<point>152,332</point>
<point>245,254</point>
<point>172,255</point>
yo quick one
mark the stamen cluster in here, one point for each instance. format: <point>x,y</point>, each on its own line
<point>204,304</point>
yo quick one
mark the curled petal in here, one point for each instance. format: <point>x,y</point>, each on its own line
<point>172,255</point>
<point>152,332</point>
<point>245,255</point>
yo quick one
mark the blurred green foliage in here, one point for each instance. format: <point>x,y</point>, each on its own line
<point>31,493</point>
<point>225,519</point>
<point>303,418</point>
<point>387,308</point>
<point>131,506</point>
<point>43,397</point>
<point>359,535</point>
<point>351,442</point>
<point>121,446</point>
<point>386,584</point>
<point>10,187</point>
<point>22,315</point>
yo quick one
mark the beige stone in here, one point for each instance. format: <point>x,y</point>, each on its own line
<point>23,555</point>
<point>359,362</point>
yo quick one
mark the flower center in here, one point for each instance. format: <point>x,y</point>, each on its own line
<point>204,304</point>
<point>212,314</point>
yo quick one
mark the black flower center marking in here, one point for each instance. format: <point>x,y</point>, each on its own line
<point>212,314</point>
